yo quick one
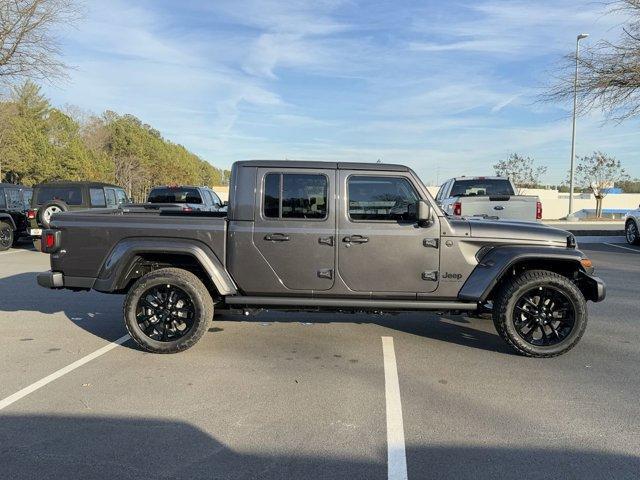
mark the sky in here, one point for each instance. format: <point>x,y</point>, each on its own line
<point>446,87</point>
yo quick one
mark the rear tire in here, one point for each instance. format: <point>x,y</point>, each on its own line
<point>631,233</point>
<point>168,310</point>
<point>540,313</point>
<point>6,236</point>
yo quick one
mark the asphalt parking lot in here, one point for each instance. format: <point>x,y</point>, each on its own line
<point>290,395</point>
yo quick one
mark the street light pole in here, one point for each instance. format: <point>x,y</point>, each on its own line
<point>573,133</point>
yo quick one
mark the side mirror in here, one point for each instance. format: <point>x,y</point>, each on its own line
<point>225,203</point>
<point>424,212</point>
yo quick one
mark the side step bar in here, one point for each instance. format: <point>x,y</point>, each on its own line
<point>350,303</point>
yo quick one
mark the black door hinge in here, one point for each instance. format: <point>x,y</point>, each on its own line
<point>325,273</point>
<point>430,242</point>
<point>326,241</point>
<point>431,275</point>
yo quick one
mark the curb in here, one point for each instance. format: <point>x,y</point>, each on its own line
<point>597,233</point>
<point>585,239</point>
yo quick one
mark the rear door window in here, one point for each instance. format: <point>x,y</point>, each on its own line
<point>13,198</point>
<point>295,196</point>
<point>381,199</point>
<point>111,197</point>
<point>121,196</point>
<point>97,197</point>
<point>71,195</point>
<point>175,195</point>
<point>271,201</point>
<point>26,196</point>
<point>216,199</point>
<point>208,197</point>
<point>3,203</point>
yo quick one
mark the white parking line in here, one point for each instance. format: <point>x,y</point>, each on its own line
<point>13,251</point>
<point>396,455</point>
<point>624,248</point>
<point>63,371</point>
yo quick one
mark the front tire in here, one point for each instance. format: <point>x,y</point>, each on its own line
<point>6,236</point>
<point>168,310</point>
<point>540,313</point>
<point>631,233</point>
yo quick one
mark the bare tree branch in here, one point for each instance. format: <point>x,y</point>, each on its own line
<point>521,171</point>
<point>29,44</point>
<point>608,73</point>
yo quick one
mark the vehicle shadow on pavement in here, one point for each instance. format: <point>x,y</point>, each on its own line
<point>101,315</point>
<point>456,329</point>
<point>40,446</point>
<point>97,313</point>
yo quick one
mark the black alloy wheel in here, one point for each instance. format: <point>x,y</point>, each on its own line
<point>6,236</point>
<point>165,313</point>
<point>168,310</point>
<point>544,316</point>
<point>540,313</point>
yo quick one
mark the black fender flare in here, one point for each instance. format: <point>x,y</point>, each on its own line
<point>5,217</point>
<point>122,257</point>
<point>498,260</point>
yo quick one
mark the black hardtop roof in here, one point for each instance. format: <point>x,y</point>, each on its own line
<point>77,183</point>
<point>14,185</point>
<point>181,186</point>
<point>329,165</point>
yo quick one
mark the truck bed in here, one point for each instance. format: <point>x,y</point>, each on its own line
<point>88,237</point>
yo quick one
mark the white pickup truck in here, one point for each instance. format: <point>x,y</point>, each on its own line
<point>493,197</point>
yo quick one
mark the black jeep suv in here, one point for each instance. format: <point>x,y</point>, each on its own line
<point>54,197</point>
<point>14,203</point>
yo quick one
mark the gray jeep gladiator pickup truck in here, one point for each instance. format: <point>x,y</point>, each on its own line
<point>318,236</point>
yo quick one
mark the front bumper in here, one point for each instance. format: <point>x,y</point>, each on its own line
<point>593,288</point>
<point>58,280</point>
<point>601,289</point>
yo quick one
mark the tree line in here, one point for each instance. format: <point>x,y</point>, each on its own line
<point>39,143</point>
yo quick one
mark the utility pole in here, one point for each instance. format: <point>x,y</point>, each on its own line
<point>573,133</point>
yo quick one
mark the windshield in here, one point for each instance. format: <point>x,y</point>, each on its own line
<point>482,188</point>
<point>175,195</point>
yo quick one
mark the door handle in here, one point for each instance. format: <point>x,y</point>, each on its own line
<point>355,239</point>
<point>277,237</point>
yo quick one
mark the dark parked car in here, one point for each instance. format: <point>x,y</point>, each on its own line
<point>55,197</point>
<point>322,236</point>
<point>186,198</point>
<point>14,204</point>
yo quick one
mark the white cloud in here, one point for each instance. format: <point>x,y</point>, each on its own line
<point>340,80</point>
<point>528,29</point>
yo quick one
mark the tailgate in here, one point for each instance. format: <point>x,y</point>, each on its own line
<point>514,207</point>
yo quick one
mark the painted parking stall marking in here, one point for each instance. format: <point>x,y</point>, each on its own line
<point>396,454</point>
<point>623,247</point>
<point>59,373</point>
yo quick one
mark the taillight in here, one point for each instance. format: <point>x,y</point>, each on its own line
<point>457,208</point>
<point>50,241</point>
<point>187,209</point>
<point>538,210</point>
<point>31,214</point>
